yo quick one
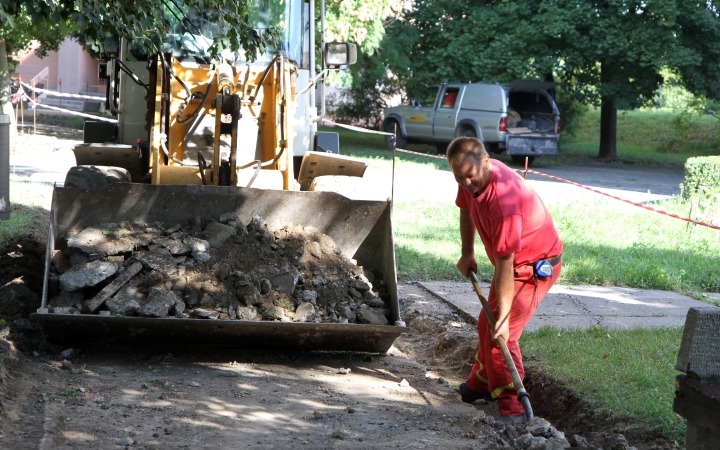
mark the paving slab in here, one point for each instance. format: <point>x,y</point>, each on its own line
<point>583,306</point>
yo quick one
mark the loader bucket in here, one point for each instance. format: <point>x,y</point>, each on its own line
<point>362,230</point>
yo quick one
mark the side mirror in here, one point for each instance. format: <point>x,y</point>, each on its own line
<point>340,54</point>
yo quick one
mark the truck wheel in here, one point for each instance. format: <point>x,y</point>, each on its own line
<point>468,132</point>
<point>92,177</point>
<point>520,160</point>
<point>441,148</point>
<point>400,141</point>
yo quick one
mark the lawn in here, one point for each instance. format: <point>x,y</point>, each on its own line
<point>629,373</point>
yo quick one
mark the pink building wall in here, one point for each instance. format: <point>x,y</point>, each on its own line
<point>70,69</point>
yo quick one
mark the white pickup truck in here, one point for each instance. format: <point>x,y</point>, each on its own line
<point>520,117</point>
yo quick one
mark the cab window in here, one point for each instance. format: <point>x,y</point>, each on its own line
<point>428,96</point>
<point>449,98</point>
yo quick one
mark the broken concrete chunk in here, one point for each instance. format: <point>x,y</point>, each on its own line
<point>249,295</point>
<point>201,313</point>
<point>175,246</point>
<point>284,282</point>
<point>265,286</point>
<point>173,229</point>
<point>108,239</point>
<point>372,316</point>
<point>229,217</point>
<point>158,303</point>
<point>159,259</point>
<point>68,298</point>
<point>96,302</point>
<point>304,312</point>
<point>361,285</point>
<point>201,256</point>
<point>538,426</point>
<point>246,313</point>
<point>123,306</point>
<point>375,302</point>
<point>273,313</point>
<point>196,245</point>
<point>86,275</point>
<point>178,307</point>
<point>218,233</point>
<point>310,296</point>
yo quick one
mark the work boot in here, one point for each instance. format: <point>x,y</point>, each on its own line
<point>469,396</point>
<point>511,420</point>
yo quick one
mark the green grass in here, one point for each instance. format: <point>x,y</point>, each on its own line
<point>646,137</point>
<point>603,246</point>
<point>629,373</point>
<point>30,204</point>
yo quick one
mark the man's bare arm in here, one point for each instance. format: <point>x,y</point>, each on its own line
<point>467,260</point>
<point>505,290</point>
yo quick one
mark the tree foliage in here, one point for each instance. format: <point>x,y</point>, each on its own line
<point>608,53</point>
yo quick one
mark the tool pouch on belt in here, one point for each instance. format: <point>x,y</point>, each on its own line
<point>544,268</point>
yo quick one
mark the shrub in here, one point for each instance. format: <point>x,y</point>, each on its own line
<point>702,177</point>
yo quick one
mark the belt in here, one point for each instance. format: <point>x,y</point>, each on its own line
<point>553,261</point>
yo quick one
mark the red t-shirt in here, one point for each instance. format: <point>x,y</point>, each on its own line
<point>511,218</point>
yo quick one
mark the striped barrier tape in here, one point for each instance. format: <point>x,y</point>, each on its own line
<point>534,172</point>
<point>55,108</point>
<point>62,94</point>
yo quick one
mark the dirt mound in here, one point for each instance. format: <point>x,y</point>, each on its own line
<point>21,270</point>
<point>214,269</point>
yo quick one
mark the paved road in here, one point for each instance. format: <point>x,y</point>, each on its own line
<point>584,306</point>
<point>634,184</point>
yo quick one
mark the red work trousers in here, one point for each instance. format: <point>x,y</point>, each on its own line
<point>489,374</point>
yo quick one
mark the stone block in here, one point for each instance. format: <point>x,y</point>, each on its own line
<point>86,275</point>
<point>218,233</point>
<point>123,306</point>
<point>96,302</point>
<point>159,259</point>
<point>304,312</point>
<point>246,313</point>
<point>175,246</point>
<point>201,313</point>
<point>700,346</point>
<point>372,316</point>
<point>158,303</point>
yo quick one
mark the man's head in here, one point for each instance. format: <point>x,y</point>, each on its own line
<point>470,164</point>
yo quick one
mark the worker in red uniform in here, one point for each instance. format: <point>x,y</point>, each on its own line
<point>522,244</point>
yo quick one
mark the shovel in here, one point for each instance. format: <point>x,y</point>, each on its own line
<point>522,394</point>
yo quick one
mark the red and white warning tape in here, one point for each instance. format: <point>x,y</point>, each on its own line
<point>62,94</point>
<point>34,104</point>
<point>640,205</point>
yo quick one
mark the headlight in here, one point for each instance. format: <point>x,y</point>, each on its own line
<point>340,54</point>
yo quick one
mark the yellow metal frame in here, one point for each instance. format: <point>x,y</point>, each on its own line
<point>266,107</point>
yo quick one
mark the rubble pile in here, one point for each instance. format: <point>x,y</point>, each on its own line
<point>214,269</point>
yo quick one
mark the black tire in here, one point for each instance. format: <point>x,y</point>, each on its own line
<point>400,141</point>
<point>494,148</point>
<point>468,132</point>
<point>441,149</point>
<point>93,177</point>
<point>520,160</point>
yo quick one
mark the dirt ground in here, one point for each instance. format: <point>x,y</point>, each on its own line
<point>97,397</point>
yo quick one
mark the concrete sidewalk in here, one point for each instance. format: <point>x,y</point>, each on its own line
<point>583,306</point>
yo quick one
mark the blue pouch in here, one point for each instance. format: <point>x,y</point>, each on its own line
<point>543,268</point>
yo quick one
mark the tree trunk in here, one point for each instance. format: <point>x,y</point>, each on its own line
<point>5,92</point>
<point>608,129</point>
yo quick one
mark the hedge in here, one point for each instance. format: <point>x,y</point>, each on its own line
<point>702,176</point>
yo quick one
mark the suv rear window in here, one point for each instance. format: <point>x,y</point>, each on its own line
<point>530,102</point>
